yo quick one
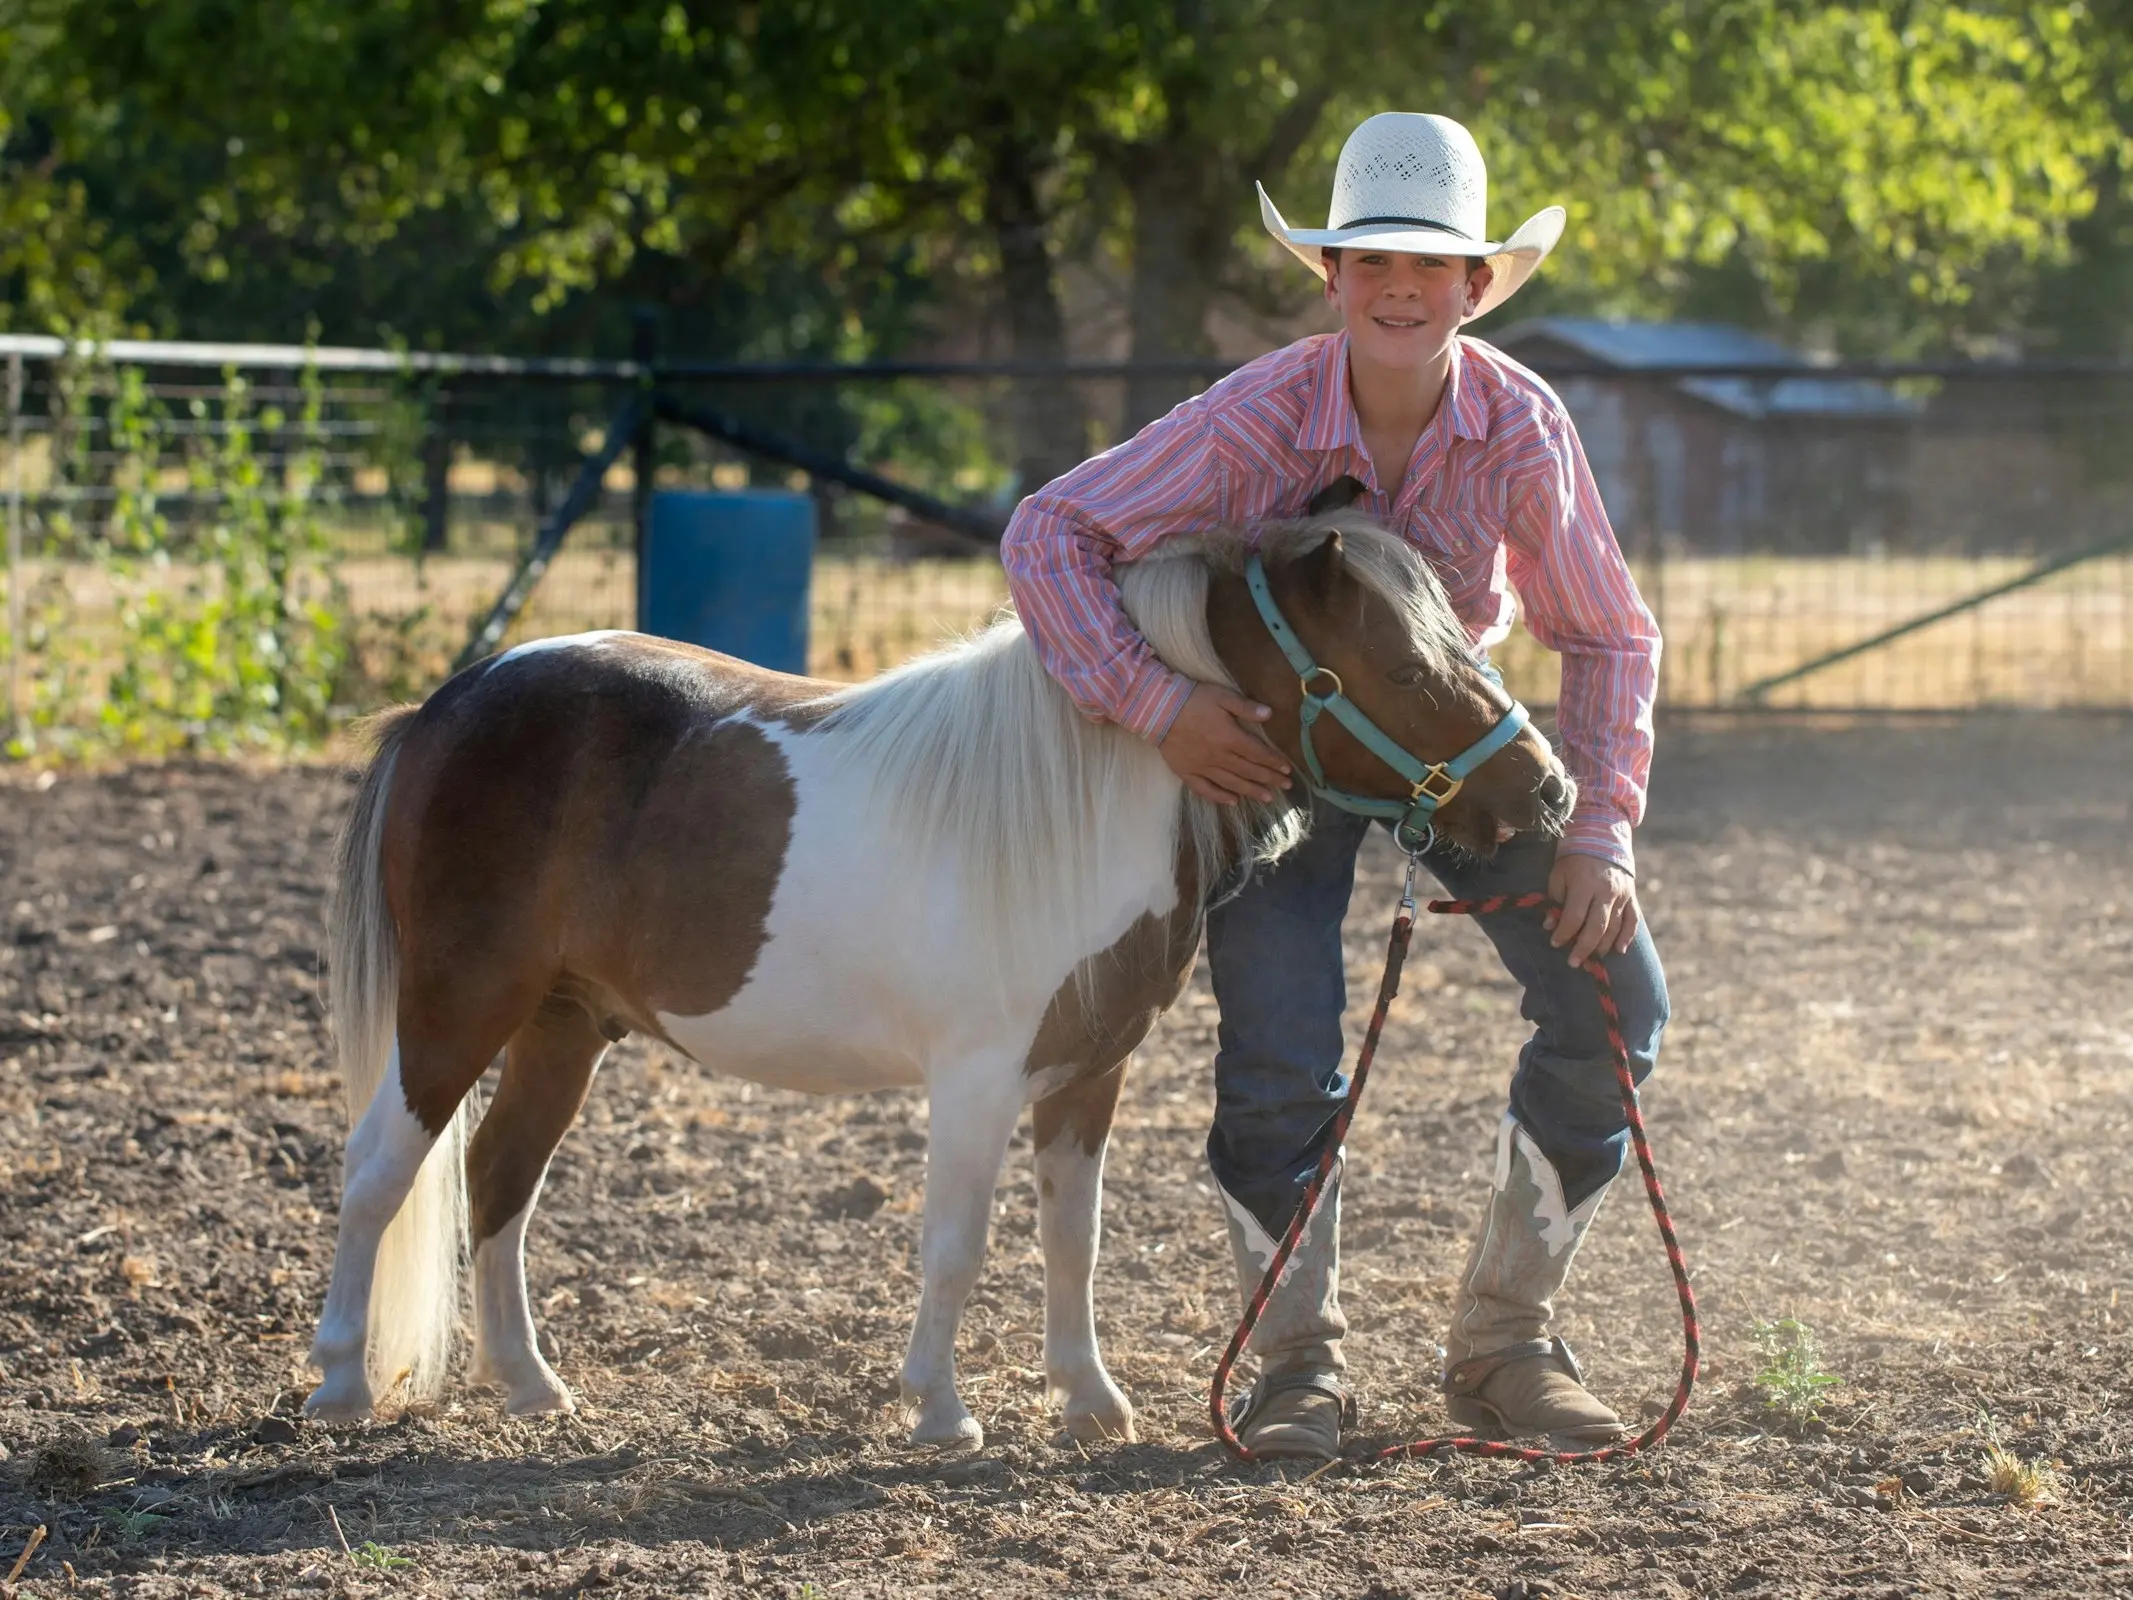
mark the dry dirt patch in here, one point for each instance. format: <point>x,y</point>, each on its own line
<point>1895,1104</point>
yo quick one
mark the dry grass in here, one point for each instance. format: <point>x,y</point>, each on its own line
<point>1728,622</point>
<point>2025,1482</point>
<point>70,1465</point>
<point>867,613</point>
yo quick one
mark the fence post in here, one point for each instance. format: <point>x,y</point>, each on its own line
<point>17,722</point>
<point>644,462</point>
<point>436,481</point>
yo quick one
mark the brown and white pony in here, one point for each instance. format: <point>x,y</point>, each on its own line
<point>946,876</point>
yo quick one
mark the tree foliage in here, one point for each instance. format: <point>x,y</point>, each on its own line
<point>832,177</point>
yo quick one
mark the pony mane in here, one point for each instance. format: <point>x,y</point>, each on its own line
<point>1166,591</point>
<point>992,765</point>
<point>1166,597</point>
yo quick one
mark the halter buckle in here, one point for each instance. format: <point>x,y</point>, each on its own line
<point>1436,774</point>
<point>1305,682</point>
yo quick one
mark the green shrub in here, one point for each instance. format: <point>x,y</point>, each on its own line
<point>1792,1379</point>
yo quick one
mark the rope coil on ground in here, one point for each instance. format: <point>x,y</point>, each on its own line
<point>1403,928</point>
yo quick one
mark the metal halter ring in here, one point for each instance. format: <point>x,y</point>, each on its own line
<point>1315,673</point>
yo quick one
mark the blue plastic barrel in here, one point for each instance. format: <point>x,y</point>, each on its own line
<point>730,571</point>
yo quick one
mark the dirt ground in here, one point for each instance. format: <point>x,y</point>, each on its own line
<point>1894,1104</point>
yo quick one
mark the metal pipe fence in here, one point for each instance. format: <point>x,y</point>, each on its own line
<point>1778,516</point>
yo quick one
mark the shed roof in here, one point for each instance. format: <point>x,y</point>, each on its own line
<point>1654,346</point>
<point>1658,346</point>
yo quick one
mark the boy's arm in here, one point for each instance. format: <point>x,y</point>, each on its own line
<point>1581,602</point>
<point>1063,541</point>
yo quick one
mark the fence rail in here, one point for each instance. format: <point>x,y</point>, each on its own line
<point>345,358</point>
<point>1901,536</point>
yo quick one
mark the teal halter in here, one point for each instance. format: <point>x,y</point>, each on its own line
<point>1413,826</point>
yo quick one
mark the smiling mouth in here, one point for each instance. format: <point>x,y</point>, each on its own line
<point>1397,322</point>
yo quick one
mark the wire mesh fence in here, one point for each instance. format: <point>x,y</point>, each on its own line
<point>370,512</point>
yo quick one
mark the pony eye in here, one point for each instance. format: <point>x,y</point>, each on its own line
<point>1409,675</point>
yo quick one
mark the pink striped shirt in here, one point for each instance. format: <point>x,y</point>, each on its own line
<point>1497,496</point>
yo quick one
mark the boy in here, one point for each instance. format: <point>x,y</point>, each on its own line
<point>1474,461</point>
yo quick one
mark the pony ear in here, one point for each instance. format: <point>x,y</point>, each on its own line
<point>1338,495</point>
<point>1320,569</point>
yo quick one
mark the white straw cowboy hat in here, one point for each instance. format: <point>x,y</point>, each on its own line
<point>1415,184</point>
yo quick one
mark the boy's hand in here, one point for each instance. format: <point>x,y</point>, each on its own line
<point>1599,902</point>
<point>1216,747</point>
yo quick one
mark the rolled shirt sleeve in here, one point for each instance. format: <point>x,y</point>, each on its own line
<point>1581,602</point>
<point>1063,542</point>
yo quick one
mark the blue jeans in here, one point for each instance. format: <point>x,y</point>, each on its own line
<point>1281,986</point>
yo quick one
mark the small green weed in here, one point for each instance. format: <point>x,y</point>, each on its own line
<point>232,625</point>
<point>381,1557</point>
<point>1792,1377</point>
<point>132,1526</point>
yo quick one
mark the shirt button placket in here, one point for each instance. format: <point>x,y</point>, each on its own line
<point>1419,470</point>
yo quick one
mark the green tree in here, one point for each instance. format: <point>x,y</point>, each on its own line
<point>2083,305</point>
<point>822,177</point>
<point>1879,175</point>
<point>62,268</point>
<point>1882,170</point>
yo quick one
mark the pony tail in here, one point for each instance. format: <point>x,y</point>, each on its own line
<point>363,952</point>
<point>414,1298</point>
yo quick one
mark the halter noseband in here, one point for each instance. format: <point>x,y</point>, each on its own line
<point>1434,783</point>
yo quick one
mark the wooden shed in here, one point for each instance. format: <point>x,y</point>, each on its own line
<point>1760,455</point>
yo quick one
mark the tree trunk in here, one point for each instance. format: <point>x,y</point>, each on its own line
<point>1185,198</point>
<point>1051,422</point>
<point>436,484</point>
<point>1181,229</point>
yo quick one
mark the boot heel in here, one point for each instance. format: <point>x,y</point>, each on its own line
<point>1476,1417</point>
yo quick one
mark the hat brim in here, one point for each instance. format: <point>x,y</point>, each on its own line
<point>1511,261</point>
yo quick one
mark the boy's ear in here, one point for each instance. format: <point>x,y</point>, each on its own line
<point>1477,284</point>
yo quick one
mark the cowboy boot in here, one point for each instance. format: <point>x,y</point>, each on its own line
<point>1503,1373</point>
<point>1298,1406</point>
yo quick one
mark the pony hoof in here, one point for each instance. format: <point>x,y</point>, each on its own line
<point>963,1433</point>
<point>550,1399</point>
<point>339,1400</point>
<point>1102,1425</point>
<point>1096,1411</point>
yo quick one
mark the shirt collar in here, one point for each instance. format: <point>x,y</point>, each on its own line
<point>1469,407</point>
<point>1329,419</point>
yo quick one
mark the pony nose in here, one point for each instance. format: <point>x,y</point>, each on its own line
<point>1557,792</point>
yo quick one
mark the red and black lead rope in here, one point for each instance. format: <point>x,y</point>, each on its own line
<point>1403,928</point>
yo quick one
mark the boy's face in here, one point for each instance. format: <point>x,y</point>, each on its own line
<point>1403,310</point>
